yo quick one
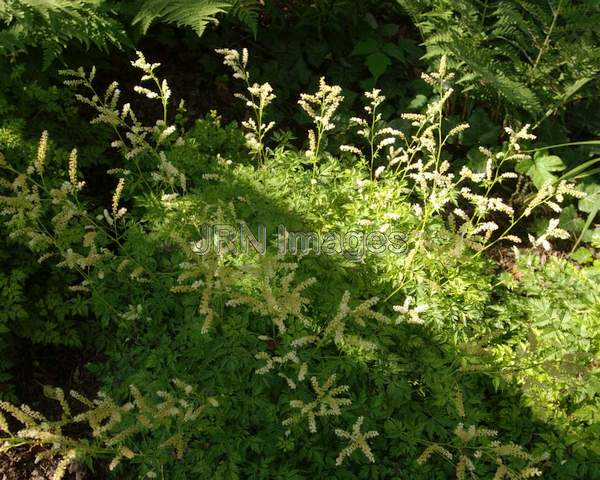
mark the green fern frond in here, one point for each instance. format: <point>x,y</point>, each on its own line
<point>196,14</point>
<point>247,12</point>
<point>53,24</point>
<point>526,53</point>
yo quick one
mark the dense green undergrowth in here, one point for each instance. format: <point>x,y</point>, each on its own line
<point>424,359</point>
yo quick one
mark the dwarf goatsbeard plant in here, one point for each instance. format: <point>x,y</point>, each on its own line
<point>113,426</point>
<point>34,198</point>
<point>411,161</point>
<point>474,445</point>
<point>415,161</point>
<point>257,97</point>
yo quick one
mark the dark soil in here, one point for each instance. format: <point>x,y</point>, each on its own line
<point>19,464</point>
<point>56,366</point>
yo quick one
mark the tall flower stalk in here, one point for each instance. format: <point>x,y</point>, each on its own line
<point>258,98</point>
<point>320,107</point>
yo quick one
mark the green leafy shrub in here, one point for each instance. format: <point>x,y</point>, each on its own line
<point>343,365</point>
<point>39,307</point>
<point>52,25</point>
<point>197,14</point>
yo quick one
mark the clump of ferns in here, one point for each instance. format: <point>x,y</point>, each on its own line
<point>136,141</point>
<point>179,414</point>
<point>473,448</point>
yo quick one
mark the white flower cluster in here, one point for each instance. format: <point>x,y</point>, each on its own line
<point>259,97</point>
<point>373,131</point>
<point>134,139</point>
<point>169,174</point>
<point>74,184</point>
<point>419,160</point>
<point>236,61</point>
<point>320,107</point>
<point>274,361</point>
<point>408,313</point>
<point>164,92</point>
<point>357,440</point>
<point>116,211</point>
<point>327,402</point>
<point>335,329</point>
<point>551,232</point>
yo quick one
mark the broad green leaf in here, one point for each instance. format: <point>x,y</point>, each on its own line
<point>595,240</point>
<point>591,202</point>
<point>540,169</point>
<point>389,29</point>
<point>580,170</point>
<point>417,103</point>
<point>378,63</point>
<point>582,255</point>
<point>371,21</point>
<point>366,47</point>
<point>482,131</point>
<point>476,160</point>
<point>394,51</point>
<point>570,220</point>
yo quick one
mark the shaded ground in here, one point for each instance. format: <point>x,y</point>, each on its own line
<point>19,464</point>
<point>57,366</point>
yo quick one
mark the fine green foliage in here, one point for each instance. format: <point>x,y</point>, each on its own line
<point>197,14</point>
<point>334,359</point>
<point>52,25</point>
<point>473,445</point>
<point>559,335</point>
<point>363,277</point>
<point>247,11</point>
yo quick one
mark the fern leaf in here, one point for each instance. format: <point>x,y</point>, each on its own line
<point>247,12</point>
<point>526,53</point>
<point>54,24</point>
<point>196,14</point>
